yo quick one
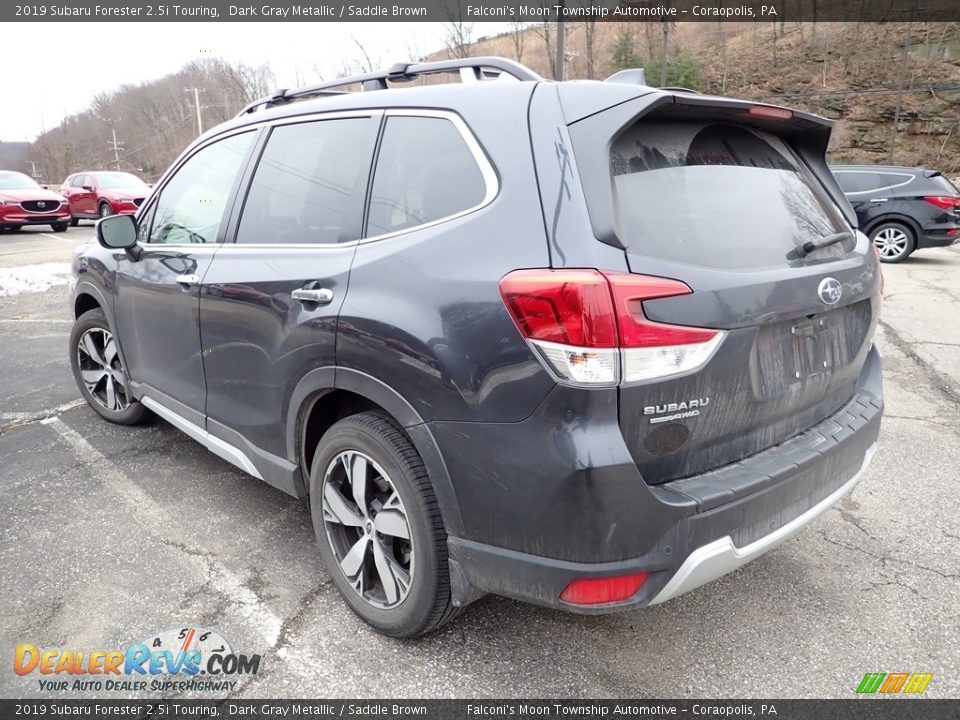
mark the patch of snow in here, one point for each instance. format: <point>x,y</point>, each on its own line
<point>33,278</point>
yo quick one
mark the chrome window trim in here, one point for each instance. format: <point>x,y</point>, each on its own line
<point>882,188</point>
<point>487,171</point>
<point>490,178</point>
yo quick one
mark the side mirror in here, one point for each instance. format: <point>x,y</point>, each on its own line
<point>117,232</point>
<point>45,186</point>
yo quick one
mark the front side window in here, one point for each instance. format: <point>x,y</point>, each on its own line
<point>718,195</point>
<point>310,177</point>
<point>858,181</point>
<point>425,172</point>
<point>192,204</point>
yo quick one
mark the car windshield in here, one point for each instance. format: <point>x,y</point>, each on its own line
<point>117,180</point>
<point>16,181</point>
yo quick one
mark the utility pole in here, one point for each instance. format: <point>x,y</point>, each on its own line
<point>561,67</point>
<point>196,104</point>
<point>114,145</point>
<point>33,165</point>
<point>900,81</point>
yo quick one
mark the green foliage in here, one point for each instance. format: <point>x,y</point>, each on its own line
<point>682,71</point>
<point>623,55</point>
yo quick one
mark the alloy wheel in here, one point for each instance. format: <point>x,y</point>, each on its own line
<point>101,369</point>
<point>891,242</point>
<point>367,528</point>
<point>105,210</point>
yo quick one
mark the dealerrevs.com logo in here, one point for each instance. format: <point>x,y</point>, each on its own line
<point>178,659</point>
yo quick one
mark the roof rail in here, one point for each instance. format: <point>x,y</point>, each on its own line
<point>470,69</point>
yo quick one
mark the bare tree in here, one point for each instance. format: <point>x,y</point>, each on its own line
<point>459,38</point>
<point>544,31</point>
<point>517,33</point>
<point>366,64</point>
<point>590,46</point>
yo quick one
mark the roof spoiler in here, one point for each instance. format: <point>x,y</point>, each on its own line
<point>630,76</point>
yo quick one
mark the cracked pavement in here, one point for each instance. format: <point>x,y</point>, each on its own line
<point>111,534</point>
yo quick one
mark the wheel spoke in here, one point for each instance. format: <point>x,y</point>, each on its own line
<point>109,351</point>
<point>92,378</point>
<point>357,467</point>
<point>336,509</point>
<point>352,563</point>
<point>391,519</point>
<point>394,578</point>
<point>90,348</point>
<point>111,394</point>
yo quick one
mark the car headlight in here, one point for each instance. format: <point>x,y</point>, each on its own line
<point>9,202</point>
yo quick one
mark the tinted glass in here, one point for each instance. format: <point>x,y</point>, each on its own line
<point>425,172</point>
<point>718,195</point>
<point>854,181</point>
<point>191,204</point>
<point>306,182</point>
<point>942,183</point>
<point>892,180</point>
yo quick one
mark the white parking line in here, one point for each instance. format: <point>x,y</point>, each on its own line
<point>62,239</point>
<point>244,601</point>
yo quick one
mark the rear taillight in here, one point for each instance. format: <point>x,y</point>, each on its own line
<point>944,202</point>
<point>602,591</point>
<point>589,327</point>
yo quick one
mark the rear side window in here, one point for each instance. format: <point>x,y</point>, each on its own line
<point>943,184</point>
<point>425,172</point>
<point>855,181</point>
<point>718,195</point>
<point>308,183</point>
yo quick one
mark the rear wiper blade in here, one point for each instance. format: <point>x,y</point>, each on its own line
<point>810,245</point>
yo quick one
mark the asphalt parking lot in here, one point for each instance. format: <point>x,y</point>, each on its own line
<point>110,534</point>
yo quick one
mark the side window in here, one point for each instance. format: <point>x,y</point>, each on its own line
<point>80,181</point>
<point>192,203</point>
<point>893,180</point>
<point>859,181</point>
<point>425,172</point>
<point>143,225</point>
<point>308,179</point>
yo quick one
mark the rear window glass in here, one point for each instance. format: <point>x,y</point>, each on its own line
<point>718,195</point>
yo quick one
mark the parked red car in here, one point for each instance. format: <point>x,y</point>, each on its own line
<point>24,202</point>
<point>102,193</point>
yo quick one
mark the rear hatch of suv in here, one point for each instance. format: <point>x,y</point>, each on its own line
<point>765,323</point>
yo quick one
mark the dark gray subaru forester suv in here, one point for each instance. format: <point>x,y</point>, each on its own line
<point>586,344</point>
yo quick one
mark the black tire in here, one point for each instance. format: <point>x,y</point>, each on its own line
<point>895,241</point>
<point>132,412</point>
<point>60,227</point>
<point>74,221</point>
<point>427,603</point>
<point>104,210</point>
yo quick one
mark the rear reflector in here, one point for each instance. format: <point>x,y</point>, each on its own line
<point>944,202</point>
<point>601,591</point>
<point>589,327</point>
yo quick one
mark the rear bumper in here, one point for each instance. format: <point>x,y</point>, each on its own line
<point>687,532</point>
<point>713,560</point>
<point>938,238</point>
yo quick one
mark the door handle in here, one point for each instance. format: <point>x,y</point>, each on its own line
<point>321,296</point>
<point>188,280</point>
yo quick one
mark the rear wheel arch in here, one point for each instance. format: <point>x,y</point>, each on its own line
<point>327,395</point>
<point>904,220</point>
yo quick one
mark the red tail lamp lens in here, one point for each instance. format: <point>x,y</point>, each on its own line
<point>600,591</point>
<point>570,307</point>
<point>944,202</point>
<point>769,111</point>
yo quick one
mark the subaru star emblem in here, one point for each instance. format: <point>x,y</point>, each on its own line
<point>41,204</point>
<point>830,291</point>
